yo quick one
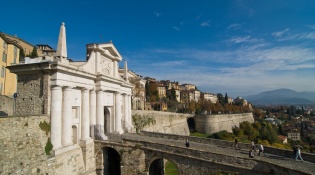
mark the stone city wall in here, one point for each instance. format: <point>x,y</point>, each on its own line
<point>166,122</point>
<point>222,143</point>
<point>33,94</point>
<point>214,123</point>
<point>22,146</point>
<point>6,104</point>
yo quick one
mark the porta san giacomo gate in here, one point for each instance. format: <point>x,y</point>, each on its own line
<point>84,100</point>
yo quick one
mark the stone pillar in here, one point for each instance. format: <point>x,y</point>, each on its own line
<point>126,106</point>
<point>118,113</point>
<point>85,117</point>
<point>67,117</point>
<point>92,111</point>
<point>55,114</point>
<point>116,74</point>
<point>129,111</point>
<point>100,109</point>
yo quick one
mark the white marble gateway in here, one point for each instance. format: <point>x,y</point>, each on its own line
<point>87,99</point>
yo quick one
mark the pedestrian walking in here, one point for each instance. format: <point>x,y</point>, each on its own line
<point>251,153</point>
<point>294,149</point>
<point>236,143</point>
<point>187,143</point>
<point>261,150</point>
<point>298,155</point>
<point>252,145</point>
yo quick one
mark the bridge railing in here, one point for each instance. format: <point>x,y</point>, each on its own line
<point>222,143</point>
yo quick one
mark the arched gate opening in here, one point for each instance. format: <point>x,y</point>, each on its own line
<point>191,124</point>
<point>163,167</point>
<point>111,161</point>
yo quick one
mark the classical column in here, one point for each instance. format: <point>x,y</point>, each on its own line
<point>92,111</point>
<point>118,113</point>
<point>85,122</point>
<point>67,117</point>
<point>100,109</point>
<point>129,111</point>
<point>126,106</point>
<point>55,114</point>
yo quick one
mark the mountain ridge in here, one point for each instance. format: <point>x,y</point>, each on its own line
<point>282,96</point>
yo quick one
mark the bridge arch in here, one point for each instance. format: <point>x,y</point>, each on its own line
<point>191,124</point>
<point>111,161</point>
<point>159,166</point>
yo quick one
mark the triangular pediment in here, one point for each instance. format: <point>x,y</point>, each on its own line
<point>108,50</point>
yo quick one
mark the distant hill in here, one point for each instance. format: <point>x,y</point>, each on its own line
<point>282,96</point>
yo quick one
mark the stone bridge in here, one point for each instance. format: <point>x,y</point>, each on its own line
<point>147,153</point>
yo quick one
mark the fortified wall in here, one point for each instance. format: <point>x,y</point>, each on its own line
<point>209,124</point>
<point>166,122</point>
<point>6,104</point>
<point>22,145</point>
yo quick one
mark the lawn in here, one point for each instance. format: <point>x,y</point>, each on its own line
<point>170,168</point>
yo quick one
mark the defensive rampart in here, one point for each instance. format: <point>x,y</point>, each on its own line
<point>214,123</point>
<point>22,145</point>
<point>166,122</point>
<point>6,104</point>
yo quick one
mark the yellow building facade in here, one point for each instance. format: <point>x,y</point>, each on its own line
<point>9,55</point>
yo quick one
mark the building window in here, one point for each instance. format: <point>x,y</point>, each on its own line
<point>1,85</point>
<point>4,57</point>
<point>5,45</point>
<point>2,71</point>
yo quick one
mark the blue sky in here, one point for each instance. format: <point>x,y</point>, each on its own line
<point>239,47</point>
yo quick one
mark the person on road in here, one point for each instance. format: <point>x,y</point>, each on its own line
<point>261,150</point>
<point>187,143</point>
<point>236,143</point>
<point>252,145</point>
<point>251,152</point>
<point>298,155</point>
<point>294,149</point>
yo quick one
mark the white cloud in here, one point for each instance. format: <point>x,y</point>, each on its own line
<point>280,33</point>
<point>244,70</point>
<point>205,24</point>
<point>244,39</point>
<point>311,26</point>
<point>176,28</point>
<point>157,14</point>
<point>234,26</point>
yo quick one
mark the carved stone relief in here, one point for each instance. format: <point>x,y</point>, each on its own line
<point>105,65</point>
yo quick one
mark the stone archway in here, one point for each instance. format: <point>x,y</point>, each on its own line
<point>162,166</point>
<point>191,124</point>
<point>111,161</point>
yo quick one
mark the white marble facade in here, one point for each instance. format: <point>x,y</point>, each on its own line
<point>87,99</point>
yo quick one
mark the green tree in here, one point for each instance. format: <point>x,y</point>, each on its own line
<point>226,99</point>
<point>33,53</point>
<point>141,121</point>
<point>220,98</point>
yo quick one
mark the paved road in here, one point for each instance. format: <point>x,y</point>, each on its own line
<point>307,167</point>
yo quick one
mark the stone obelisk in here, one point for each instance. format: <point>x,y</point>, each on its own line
<point>62,45</point>
<point>126,71</point>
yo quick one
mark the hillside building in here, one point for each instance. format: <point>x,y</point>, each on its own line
<point>9,55</point>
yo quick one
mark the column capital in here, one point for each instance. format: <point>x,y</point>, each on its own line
<point>85,90</point>
<point>56,87</point>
